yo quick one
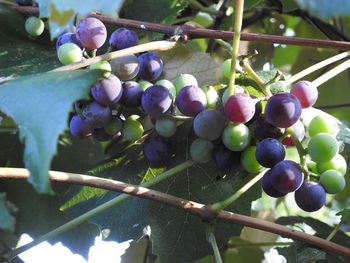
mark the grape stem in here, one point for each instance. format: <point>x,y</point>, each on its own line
<point>301,151</point>
<point>334,232</point>
<point>82,218</point>
<point>222,205</point>
<point>202,8</point>
<point>238,18</point>
<point>212,240</point>
<point>332,73</point>
<point>259,244</point>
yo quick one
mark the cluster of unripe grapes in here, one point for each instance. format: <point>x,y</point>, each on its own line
<point>229,129</point>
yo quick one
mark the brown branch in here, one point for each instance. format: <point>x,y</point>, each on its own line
<point>194,208</point>
<point>193,32</point>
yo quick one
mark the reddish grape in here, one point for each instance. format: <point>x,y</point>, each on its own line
<point>191,100</point>
<point>240,108</point>
<point>306,92</point>
<point>92,33</point>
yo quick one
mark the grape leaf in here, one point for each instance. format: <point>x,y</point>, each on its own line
<point>40,104</point>
<point>345,216</point>
<point>324,8</point>
<point>7,220</point>
<point>299,252</point>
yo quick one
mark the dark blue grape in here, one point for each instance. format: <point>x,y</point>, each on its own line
<point>25,2</point>
<point>151,66</point>
<point>156,100</point>
<point>283,110</point>
<point>156,148</point>
<point>263,129</point>
<point>209,124</point>
<point>132,94</point>
<point>224,158</point>
<point>68,38</point>
<point>311,196</point>
<point>123,38</point>
<point>80,105</point>
<point>96,115</point>
<point>107,91</point>
<point>269,152</point>
<point>286,176</point>
<point>99,134</point>
<point>268,187</point>
<point>191,100</point>
<point>79,128</point>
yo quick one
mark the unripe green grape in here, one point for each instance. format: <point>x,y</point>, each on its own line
<point>236,137</point>
<point>311,165</point>
<point>201,150</point>
<point>132,129</point>
<point>69,53</point>
<point>34,26</point>
<point>332,181</point>
<point>114,126</point>
<point>184,80</point>
<point>169,85</point>
<point>102,65</point>
<point>165,126</point>
<point>337,163</point>
<point>322,147</point>
<point>249,162</point>
<point>322,124</point>
<point>226,68</point>
<point>145,84</point>
<point>204,19</point>
<point>212,96</point>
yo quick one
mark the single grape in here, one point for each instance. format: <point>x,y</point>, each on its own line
<point>263,129</point>
<point>209,124</point>
<point>240,108</point>
<point>79,128</point>
<point>310,197</point>
<point>102,65</point>
<point>132,129</point>
<point>125,68</point>
<point>107,91</point>
<point>212,96</point>
<point>165,126</point>
<point>69,53</point>
<point>226,67</point>
<point>332,181</point>
<point>145,84</point>
<point>204,19</point>
<point>322,147</point>
<point>283,110</point>
<point>225,158</point>
<point>156,148</point>
<point>151,66</point>
<point>286,176</point>
<point>238,89</point>
<point>299,130</point>
<point>67,38</point>
<point>92,33</point>
<point>169,85</point>
<point>249,161</point>
<point>114,126</point>
<point>24,2</point>
<point>270,152</point>
<point>306,92</point>
<point>337,163</point>
<point>191,100</point>
<point>156,100</point>
<point>123,38</point>
<point>322,124</point>
<point>201,150</point>
<point>34,26</point>
<point>236,137</point>
<point>99,134</point>
<point>311,165</point>
<point>268,187</point>
<point>184,80</point>
<point>132,94</point>
<point>96,115</point>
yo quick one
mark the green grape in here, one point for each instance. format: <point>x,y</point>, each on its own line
<point>322,147</point>
<point>201,150</point>
<point>322,124</point>
<point>226,68</point>
<point>204,19</point>
<point>103,65</point>
<point>212,96</point>
<point>169,85</point>
<point>145,84</point>
<point>311,165</point>
<point>114,126</point>
<point>34,26</point>
<point>165,126</point>
<point>184,80</point>
<point>332,181</point>
<point>236,137</point>
<point>132,129</point>
<point>337,163</point>
<point>249,162</point>
<point>69,53</point>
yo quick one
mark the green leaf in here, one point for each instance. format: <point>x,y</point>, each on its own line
<point>345,216</point>
<point>324,8</point>
<point>7,220</point>
<point>251,3</point>
<point>40,104</point>
<point>299,252</point>
<point>139,252</point>
<point>288,5</point>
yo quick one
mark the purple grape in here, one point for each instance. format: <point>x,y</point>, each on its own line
<point>191,100</point>
<point>107,91</point>
<point>306,92</point>
<point>286,176</point>
<point>24,2</point>
<point>123,38</point>
<point>99,134</point>
<point>283,110</point>
<point>310,197</point>
<point>240,108</point>
<point>96,115</point>
<point>258,110</point>
<point>263,129</point>
<point>92,33</point>
<point>68,38</point>
<point>156,148</point>
<point>151,66</point>
<point>269,152</point>
<point>132,94</point>
<point>299,130</point>
<point>225,158</point>
<point>79,128</point>
<point>156,100</point>
<point>268,187</point>
<point>209,124</point>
